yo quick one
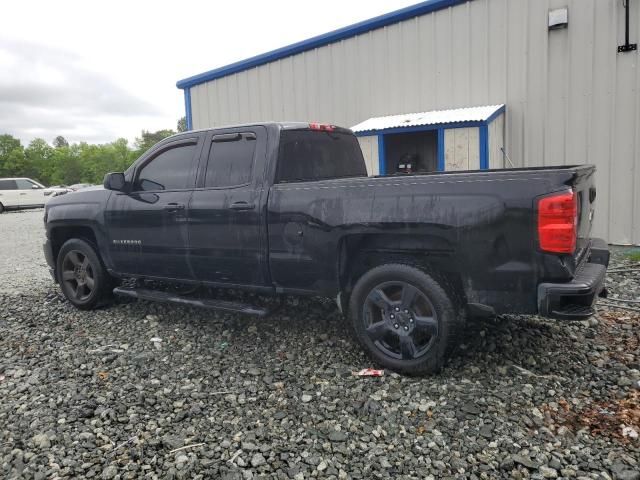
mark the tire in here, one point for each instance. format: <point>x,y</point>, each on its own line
<point>1,208</point>
<point>404,319</point>
<point>82,275</point>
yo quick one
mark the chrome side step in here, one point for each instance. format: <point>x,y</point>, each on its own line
<point>160,296</point>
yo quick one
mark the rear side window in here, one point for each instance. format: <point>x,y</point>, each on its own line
<point>8,185</point>
<point>170,170</point>
<point>230,160</point>
<point>311,155</point>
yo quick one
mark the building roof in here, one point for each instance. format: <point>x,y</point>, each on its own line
<point>436,117</point>
<point>396,16</point>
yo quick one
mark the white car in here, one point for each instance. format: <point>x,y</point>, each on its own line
<point>56,190</point>
<point>16,193</point>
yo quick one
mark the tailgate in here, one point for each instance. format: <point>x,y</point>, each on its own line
<point>584,186</point>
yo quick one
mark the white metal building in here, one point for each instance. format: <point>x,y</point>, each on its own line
<point>570,95</point>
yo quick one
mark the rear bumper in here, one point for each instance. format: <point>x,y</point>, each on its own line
<point>573,300</point>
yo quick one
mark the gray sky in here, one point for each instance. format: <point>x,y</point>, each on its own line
<point>98,71</point>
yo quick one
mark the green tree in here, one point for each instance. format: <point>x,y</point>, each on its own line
<point>149,139</point>
<point>66,164</point>
<point>60,142</point>
<point>39,154</point>
<point>12,158</point>
<point>182,124</point>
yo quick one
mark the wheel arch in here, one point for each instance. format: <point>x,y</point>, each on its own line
<point>435,255</point>
<point>60,234</point>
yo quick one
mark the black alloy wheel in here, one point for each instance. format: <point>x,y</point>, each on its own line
<point>404,319</point>
<point>78,275</point>
<point>400,320</point>
<point>82,276</point>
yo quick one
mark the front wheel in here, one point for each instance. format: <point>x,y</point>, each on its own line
<point>82,276</point>
<point>403,318</point>
<point>1,208</point>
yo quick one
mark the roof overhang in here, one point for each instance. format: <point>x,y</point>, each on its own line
<point>458,117</point>
<point>321,40</point>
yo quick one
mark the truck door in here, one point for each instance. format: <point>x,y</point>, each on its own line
<point>226,222</point>
<point>147,226</point>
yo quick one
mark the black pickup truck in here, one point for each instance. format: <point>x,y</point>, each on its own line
<point>288,208</point>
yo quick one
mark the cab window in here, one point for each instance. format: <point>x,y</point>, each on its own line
<point>230,161</point>
<point>169,170</point>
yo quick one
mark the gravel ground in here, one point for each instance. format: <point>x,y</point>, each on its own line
<point>22,264</point>
<point>90,394</point>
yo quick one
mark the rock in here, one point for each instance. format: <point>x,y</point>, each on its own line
<point>86,437</point>
<point>628,475</point>
<point>525,461</point>
<point>486,431</point>
<point>337,436</point>
<point>257,460</point>
<point>555,463</point>
<point>470,408</point>
<point>173,441</point>
<point>624,381</point>
<point>548,472</point>
<point>306,398</point>
<point>110,472</point>
<point>41,441</point>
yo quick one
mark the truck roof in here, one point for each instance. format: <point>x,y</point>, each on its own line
<point>280,125</point>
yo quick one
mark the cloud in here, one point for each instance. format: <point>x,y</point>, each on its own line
<point>45,92</point>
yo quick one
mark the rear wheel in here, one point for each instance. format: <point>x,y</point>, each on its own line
<point>403,318</point>
<point>83,278</point>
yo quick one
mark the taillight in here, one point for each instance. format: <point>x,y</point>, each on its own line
<point>558,222</point>
<point>323,127</point>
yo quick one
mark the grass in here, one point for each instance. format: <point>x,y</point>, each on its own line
<point>634,256</point>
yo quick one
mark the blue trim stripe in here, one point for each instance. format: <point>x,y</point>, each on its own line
<point>441,149</point>
<point>382,156</point>
<point>420,128</point>
<point>321,40</point>
<point>495,115</point>
<point>187,108</point>
<point>484,147</point>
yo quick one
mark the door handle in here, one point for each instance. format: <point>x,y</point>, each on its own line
<point>242,206</point>
<point>173,207</point>
<point>23,194</point>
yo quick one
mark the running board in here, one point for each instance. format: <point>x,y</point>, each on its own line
<point>223,305</point>
<point>573,312</point>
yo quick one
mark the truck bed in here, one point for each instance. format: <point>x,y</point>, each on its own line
<point>479,225</point>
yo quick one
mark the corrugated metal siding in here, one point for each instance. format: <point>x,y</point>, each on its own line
<point>570,97</point>
<point>496,143</point>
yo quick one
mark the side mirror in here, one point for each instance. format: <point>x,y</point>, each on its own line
<point>35,187</point>
<point>114,181</point>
